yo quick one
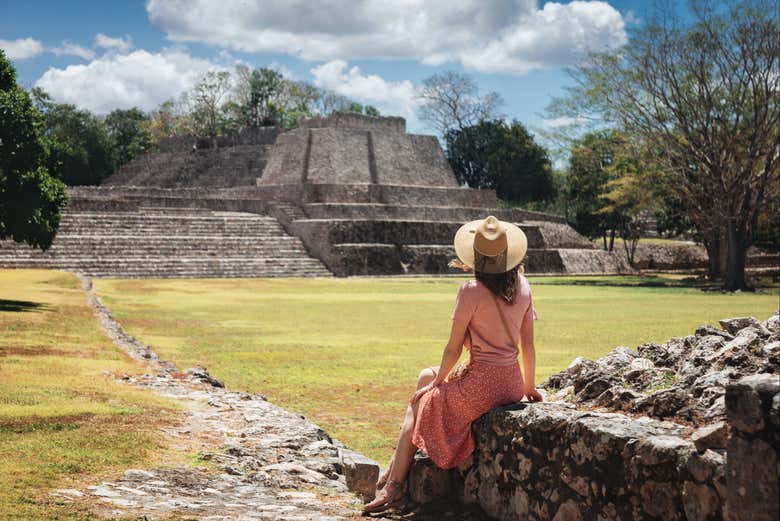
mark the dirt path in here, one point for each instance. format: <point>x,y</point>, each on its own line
<point>265,462</point>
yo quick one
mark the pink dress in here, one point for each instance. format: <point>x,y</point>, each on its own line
<point>444,415</point>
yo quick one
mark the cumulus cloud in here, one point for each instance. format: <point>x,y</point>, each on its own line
<point>137,79</point>
<point>69,48</point>
<point>113,44</point>
<point>397,98</point>
<point>21,48</point>
<point>483,35</point>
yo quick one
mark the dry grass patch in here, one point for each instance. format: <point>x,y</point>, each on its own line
<point>63,421</point>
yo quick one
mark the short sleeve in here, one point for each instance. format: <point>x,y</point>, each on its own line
<point>531,309</point>
<point>465,305</point>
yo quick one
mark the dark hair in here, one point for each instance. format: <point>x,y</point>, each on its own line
<point>502,285</point>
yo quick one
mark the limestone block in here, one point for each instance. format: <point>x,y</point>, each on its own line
<point>427,482</point>
<point>713,436</point>
<point>360,472</point>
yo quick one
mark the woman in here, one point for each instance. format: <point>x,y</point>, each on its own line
<point>491,313</point>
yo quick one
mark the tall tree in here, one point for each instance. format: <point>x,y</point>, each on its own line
<point>206,99</point>
<point>451,101</point>
<point>129,133</point>
<point>80,149</point>
<point>706,96</point>
<point>503,156</point>
<point>257,95</point>
<point>31,198</point>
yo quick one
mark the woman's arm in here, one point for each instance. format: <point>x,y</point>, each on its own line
<point>529,358</point>
<point>448,359</point>
<point>452,351</point>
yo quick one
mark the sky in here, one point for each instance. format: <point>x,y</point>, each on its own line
<point>103,55</point>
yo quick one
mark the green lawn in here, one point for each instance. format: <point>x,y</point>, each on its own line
<point>62,421</point>
<point>346,352</point>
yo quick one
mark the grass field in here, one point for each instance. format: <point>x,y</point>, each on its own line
<point>62,422</point>
<point>346,352</point>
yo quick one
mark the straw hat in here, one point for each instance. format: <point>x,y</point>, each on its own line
<point>490,246</point>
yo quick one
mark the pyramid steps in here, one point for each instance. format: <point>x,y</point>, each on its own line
<point>169,242</point>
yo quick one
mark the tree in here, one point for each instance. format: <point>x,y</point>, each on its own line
<point>587,180</point>
<point>371,110</point>
<point>451,101</point>
<point>206,99</point>
<point>80,149</point>
<point>330,102</point>
<point>505,157</point>
<point>129,133</point>
<point>169,119</point>
<point>31,198</point>
<point>706,98</point>
<point>257,96</point>
<point>354,106</point>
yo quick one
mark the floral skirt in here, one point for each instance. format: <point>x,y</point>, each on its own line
<point>444,415</point>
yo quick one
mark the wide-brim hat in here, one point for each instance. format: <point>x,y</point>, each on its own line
<point>490,246</point>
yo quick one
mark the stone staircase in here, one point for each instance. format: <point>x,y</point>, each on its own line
<point>169,242</point>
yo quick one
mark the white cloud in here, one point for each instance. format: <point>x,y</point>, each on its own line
<point>22,48</point>
<point>114,44</point>
<point>391,98</point>
<point>138,79</point>
<point>553,36</point>
<point>563,121</point>
<point>69,48</point>
<point>484,35</point>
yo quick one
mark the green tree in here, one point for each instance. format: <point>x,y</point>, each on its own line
<point>587,180</point>
<point>30,197</point>
<point>503,156</point>
<point>705,93</point>
<point>257,96</point>
<point>371,110</point>
<point>354,106</point>
<point>80,147</point>
<point>129,133</point>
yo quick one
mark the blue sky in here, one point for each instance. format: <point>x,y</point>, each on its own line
<point>104,55</point>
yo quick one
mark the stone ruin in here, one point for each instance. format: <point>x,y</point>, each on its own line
<point>685,430</point>
<point>347,194</point>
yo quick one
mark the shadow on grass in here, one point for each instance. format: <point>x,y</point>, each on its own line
<point>625,282</point>
<point>20,305</point>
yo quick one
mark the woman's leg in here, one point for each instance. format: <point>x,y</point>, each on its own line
<point>404,452</point>
<point>426,376</point>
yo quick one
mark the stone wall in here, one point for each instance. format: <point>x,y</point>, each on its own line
<point>753,466</point>
<point>247,136</point>
<point>686,430</point>
<point>357,121</point>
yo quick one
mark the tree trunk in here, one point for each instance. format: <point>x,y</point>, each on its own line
<point>612,240</point>
<point>713,258</point>
<point>604,237</point>
<point>735,262</point>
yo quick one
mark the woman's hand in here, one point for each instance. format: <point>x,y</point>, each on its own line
<point>420,392</point>
<point>532,394</point>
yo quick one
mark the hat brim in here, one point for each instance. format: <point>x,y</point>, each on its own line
<point>517,244</point>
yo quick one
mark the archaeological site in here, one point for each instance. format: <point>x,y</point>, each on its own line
<point>343,195</point>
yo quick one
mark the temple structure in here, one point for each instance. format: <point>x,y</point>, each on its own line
<point>347,194</point>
